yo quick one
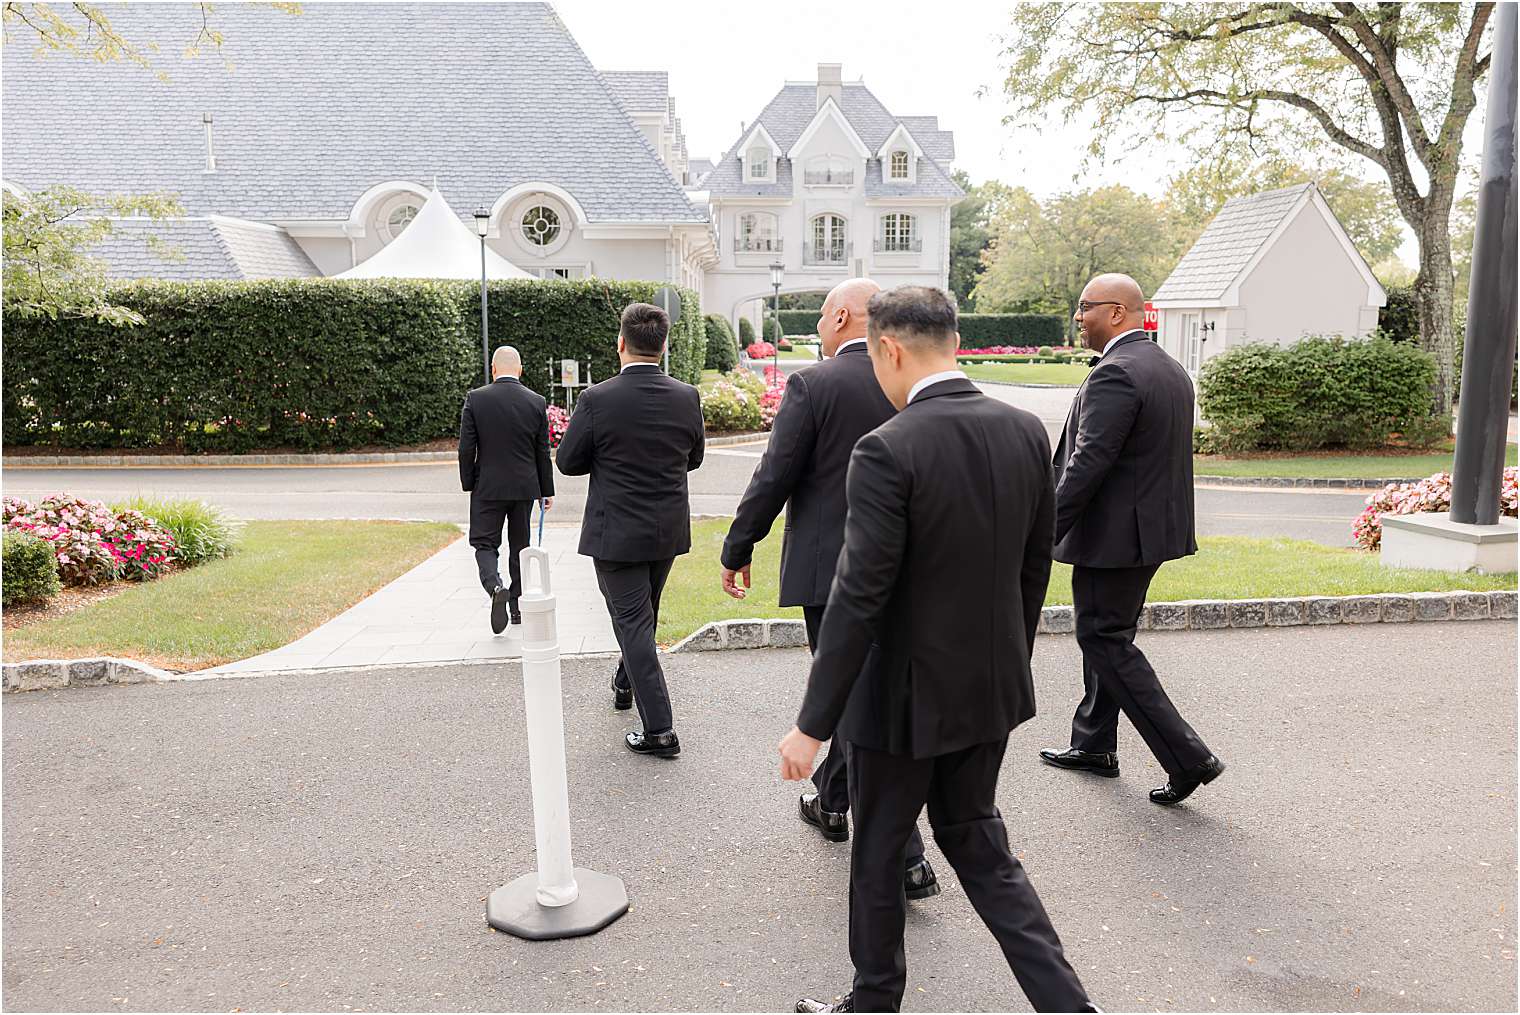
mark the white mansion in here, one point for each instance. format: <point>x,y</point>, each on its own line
<point>295,152</point>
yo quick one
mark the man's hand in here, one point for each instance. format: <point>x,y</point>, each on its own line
<point>798,750</point>
<point>731,586</point>
<point>548,503</point>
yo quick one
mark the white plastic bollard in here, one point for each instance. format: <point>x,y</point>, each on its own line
<point>560,900</point>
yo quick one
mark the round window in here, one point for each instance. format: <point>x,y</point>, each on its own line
<point>400,218</point>
<point>540,225</point>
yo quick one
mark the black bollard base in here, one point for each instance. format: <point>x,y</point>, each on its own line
<point>514,909</point>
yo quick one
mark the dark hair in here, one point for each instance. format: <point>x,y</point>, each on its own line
<point>918,314</point>
<point>644,327</point>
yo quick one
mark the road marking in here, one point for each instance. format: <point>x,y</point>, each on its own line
<point>735,454</point>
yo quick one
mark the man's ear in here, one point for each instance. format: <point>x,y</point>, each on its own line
<point>620,342</point>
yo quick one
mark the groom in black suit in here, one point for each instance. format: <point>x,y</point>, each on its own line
<point>504,465</point>
<point>637,434</point>
<point>1124,505</point>
<point>923,663</point>
<point>827,409</point>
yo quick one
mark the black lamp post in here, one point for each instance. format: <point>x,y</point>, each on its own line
<point>778,270</point>
<point>482,226</point>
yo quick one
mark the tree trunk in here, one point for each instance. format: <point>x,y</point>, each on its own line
<point>1433,293</point>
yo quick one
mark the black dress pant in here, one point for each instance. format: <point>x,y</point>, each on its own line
<point>1116,674</point>
<point>486,520</point>
<point>832,777</point>
<point>632,592</point>
<point>888,791</point>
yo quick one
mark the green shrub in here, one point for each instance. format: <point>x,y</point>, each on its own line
<point>746,333</point>
<point>28,569</point>
<point>722,348</point>
<point>1399,320</point>
<point>1318,392</point>
<point>773,331</point>
<point>201,531</point>
<point>732,402</point>
<point>304,363</point>
<point>977,330</point>
<point>1044,351</point>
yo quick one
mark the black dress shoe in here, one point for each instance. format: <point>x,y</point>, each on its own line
<point>499,609</point>
<point>622,697</point>
<point>660,745</point>
<point>1105,764</point>
<point>919,881</point>
<point>832,825</point>
<point>846,1003</point>
<point>1179,787</point>
<point>516,615</point>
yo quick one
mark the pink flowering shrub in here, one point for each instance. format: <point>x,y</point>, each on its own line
<point>1433,494</point>
<point>732,402</point>
<point>92,543</point>
<point>760,350</point>
<point>770,401</point>
<point>559,419</point>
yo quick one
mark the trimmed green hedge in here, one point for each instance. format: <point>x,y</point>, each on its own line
<point>28,569</point>
<point>746,333</point>
<point>722,347</point>
<point>1318,392</point>
<point>976,329</point>
<point>304,363</point>
<point>1399,321</point>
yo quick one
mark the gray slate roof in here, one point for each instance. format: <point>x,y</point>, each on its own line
<point>206,248</point>
<point>642,91</point>
<point>316,108</point>
<point>1234,236</point>
<point>937,144</point>
<point>787,115</point>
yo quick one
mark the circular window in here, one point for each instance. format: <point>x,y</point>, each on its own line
<point>399,218</point>
<point>540,225</point>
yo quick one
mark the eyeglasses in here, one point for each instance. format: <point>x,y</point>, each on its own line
<point>1083,306</point>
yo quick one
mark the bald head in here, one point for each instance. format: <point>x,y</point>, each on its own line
<point>1114,304</point>
<point>505,362</point>
<point>843,316</point>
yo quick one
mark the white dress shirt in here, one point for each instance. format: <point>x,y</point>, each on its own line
<point>1116,338</point>
<point>943,375</point>
<point>851,343</point>
<point>628,366</point>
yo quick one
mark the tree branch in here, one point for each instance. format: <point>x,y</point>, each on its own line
<point>1246,103</point>
<point>1388,74</point>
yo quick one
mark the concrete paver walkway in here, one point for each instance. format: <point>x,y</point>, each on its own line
<point>436,612</point>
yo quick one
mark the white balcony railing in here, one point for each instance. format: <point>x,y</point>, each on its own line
<point>897,246</point>
<point>829,177</point>
<point>757,244</point>
<point>829,253</point>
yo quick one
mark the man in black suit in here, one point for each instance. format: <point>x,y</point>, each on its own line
<point>637,434</point>
<point>827,409</point>
<point>1124,505</point>
<point>504,465</point>
<point>923,660</point>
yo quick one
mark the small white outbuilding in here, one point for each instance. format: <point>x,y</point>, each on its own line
<point>1272,267</point>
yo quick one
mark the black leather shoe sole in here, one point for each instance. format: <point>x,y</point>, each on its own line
<point>1067,766</point>
<point>621,700</point>
<point>842,835</point>
<point>1169,796</point>
<point>653,752</point>
<point>499,611</point>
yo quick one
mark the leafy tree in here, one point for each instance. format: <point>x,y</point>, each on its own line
<point>969,235</point>
<point>1392,83</point>
<point>1040,257</point>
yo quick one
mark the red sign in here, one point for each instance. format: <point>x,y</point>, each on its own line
<point>1152,320</point>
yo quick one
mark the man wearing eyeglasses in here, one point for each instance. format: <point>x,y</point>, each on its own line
<point>1124,506</point>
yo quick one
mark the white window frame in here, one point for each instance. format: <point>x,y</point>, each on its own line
<point>747,229</point>
<point>758,169</point>
<point>389,207</point>
<point>831,229</point>
<point>1192,343</point>
<point>893,222</point>
<point>892,173</point>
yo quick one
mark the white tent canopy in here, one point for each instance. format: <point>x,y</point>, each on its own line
<point>435,244</point>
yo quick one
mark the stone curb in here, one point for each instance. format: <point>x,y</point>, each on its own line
<point>1299,482</point>
<point>226,461</point>
<point>1190,615</point>
<point>49,674</point>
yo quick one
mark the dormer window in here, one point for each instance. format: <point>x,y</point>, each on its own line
<point>899,166</point>
<point>758,163</point>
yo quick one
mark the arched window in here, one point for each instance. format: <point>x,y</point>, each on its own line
<point>540,225</point>
<point>828,241</point>
<point>399,216</point>
<point>899,233</point>
<point>829,170</point>
<point>899,167</point>
<point>757,231</point>
<point>758,163</point>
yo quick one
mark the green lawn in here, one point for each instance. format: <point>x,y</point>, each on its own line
<point>1071,374</point>
<point>1333,465</point>
<point>1226,567</point>
<point>286,579</point>
<point>799,352</point>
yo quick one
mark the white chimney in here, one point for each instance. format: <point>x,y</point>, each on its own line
<point>830,83</point>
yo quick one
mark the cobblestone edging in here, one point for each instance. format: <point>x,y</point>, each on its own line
<point>224,461</point>
<point>1192,615</point>
<point>49,674</point>
<point>1299,482</point>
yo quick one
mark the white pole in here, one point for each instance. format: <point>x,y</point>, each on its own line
<point>546,735</point>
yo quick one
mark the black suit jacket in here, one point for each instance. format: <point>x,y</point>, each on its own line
<point>827,409</point>
<point>927,638</point>
<point>637,434</point>
<point>504,443</point>
<point>1124,464</point>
